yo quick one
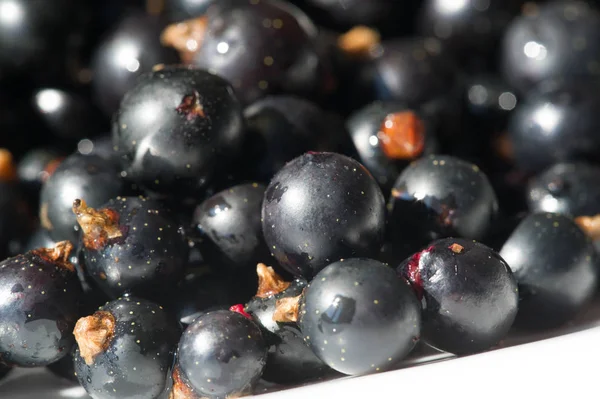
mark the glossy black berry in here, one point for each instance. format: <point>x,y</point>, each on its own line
<point>64,368</point>
<point>221,354</point>
<point>260,47</point>
<point>229,228</point>
<point>132,245</point>
<point>35,167</point>
<point>283,127</point>
<point>202,290</point>
<point>125,349</point>
<point>40,293</point>
<point>387,136</point>
<point>290,360</point>
<point>411,71</point>
<point>441,196</point>
<point>551,40</point>
<point>471,29</point>
<point>33,36</point>
<point>68,114</point>
<point>320,208</point>
<point>176,128</point>
<point>468,292</point>
<point>78,176</point>
<point>556,268</point>
<point>556,122</point>
<point>566,188</point>
<point>131,49</point>
<point>359,317</point>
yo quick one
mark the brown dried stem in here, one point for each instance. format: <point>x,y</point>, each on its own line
<point>98,226</point>
<point>269,282</point>
<point>94,334</point>
<point>57,255</point>
<point>286,309</point>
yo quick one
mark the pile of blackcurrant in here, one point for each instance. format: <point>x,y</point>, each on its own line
<point>200,198</point>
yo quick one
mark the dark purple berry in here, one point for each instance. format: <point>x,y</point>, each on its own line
<point>359,317</point>
<point>551,40</point>
<point>176,128</point>
<point>281,128</point>
<point>221,354</point>
<point>41,293</point>
<point>125,349</point>
<point>556,268</point>
<point>441,196</point>
<point>130,50</point>
<point>264,47</point>
<point>320,208</point>
<point>471,29</point>
<point>387,136</point>
<point>229,228</point>
<point>566,188</point>
<point>556,122</point>
<point>78,176</point>
<point>132,245</point>
<point>468,293</point>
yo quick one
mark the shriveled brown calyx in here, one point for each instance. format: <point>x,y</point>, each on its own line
<point>8,170</point>
<point>269,282</point>
<point>180,389</point>
<point>402,135</point>
<point>98,226</point>
<point>359,41</point>
<point>286,309</point>
<point>590,225</point>
<point>94,334</point>
<point>57,255</point>
<point>185,37</point>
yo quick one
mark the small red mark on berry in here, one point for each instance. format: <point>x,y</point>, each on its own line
<point>191,107</point>
<point>413,273</point>
<point>239,308</point>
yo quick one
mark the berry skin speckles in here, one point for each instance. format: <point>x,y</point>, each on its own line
<point>125,349</point>
<point>468,292</point>
<point>41,294</point>
<point>132,245</point>
<point>221,354</point>
<point>176,128</point>
<point>359,317</point>
<point>322,207</point>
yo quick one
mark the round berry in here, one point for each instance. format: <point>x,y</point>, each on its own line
<point>320,208</point>
<point>359,317</point>
<point>176,127</point>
